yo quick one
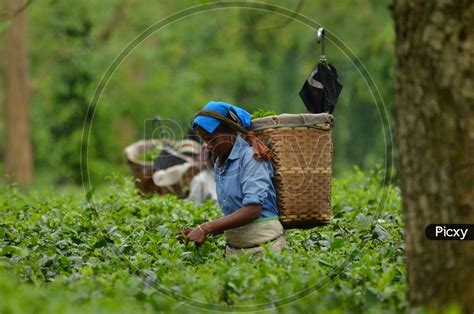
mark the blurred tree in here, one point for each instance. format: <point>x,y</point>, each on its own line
<point>18,151</point>
<point>435,133</point>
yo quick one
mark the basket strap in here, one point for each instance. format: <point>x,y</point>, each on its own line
<point>234,125</point>
<point>261,151</point>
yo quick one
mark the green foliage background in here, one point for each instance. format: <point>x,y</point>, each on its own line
<point>254,59</point>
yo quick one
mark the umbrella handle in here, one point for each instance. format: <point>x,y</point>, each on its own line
<point>320,40</point>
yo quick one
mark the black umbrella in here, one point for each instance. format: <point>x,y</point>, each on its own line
<point>321,90</point>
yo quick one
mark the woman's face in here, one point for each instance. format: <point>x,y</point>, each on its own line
<point>218,143</point>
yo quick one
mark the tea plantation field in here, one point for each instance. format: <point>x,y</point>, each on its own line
<point>116,252</point>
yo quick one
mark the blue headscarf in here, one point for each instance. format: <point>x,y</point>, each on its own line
<point>210,124</point>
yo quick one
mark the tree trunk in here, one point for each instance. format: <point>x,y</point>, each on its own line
<point>18,150</point>
<point>435,135</point>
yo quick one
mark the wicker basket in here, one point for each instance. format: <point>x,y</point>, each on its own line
<point>302,151</point>
<point>142,170</point>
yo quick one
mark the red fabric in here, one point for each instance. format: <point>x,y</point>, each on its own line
<point>260,150</point>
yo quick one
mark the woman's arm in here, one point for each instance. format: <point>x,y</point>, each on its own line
<point>238,218</point>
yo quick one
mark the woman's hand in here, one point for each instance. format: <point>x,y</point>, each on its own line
<point>197,235</point>
<point>182,234</point>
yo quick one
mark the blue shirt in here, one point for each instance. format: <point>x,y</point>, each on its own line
<point>243,180</point>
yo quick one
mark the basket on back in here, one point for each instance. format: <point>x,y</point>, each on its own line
<point>172,154</point>
<point>142,170</point>
<point>302,156</point>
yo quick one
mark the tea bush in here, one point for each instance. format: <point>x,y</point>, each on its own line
<point>260,113</point>
<point>115,251</point>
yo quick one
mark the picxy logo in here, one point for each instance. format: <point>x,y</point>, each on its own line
<point>450,232</point>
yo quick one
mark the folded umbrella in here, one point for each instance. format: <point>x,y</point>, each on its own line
<point>321,90</point>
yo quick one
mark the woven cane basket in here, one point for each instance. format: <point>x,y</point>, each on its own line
<point>142,170</point>
<point>302,157</point>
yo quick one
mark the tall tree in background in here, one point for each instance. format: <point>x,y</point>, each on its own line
<point>18,150</point>
<point>435,133</point>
